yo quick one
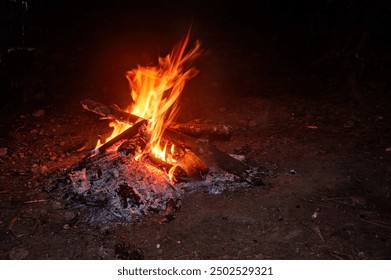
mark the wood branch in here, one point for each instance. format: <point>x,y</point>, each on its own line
<point>233,166</point>
<point>127,134</point>
<point>179,174</point>
<point>193,166</point>
<point>180,139</point>
<point>112,112</point>
<point>228,163</point>
<point>115,113</point>
<point>191,128</point>
<point>197,128</point>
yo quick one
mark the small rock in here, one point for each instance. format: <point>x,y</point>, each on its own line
<point>388,149</point>
<point>35,168</point>
<point>62,143</point>
<point>3,151</point>
<point>293,172</point>
<point>34,131</point>
<point>38,113</point>
<point>70,215</point>
<point>57,204</point>
<point>252,123</point>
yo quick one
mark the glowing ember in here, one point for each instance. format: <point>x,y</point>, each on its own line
<point>155,93</point>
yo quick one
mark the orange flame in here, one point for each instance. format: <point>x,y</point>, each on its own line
<point>155,93</point>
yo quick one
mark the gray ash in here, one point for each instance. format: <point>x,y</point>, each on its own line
<point>122,189</point>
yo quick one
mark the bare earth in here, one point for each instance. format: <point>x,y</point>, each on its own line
<point>324,155</point>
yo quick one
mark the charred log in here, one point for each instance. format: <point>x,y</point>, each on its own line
<point>198,128</point>
<point>179,175</point>
<point>113,112</point>
<point>193,166</point>
<point>90,157</point>
<point>234,166</point>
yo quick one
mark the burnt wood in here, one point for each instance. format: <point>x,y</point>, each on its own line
<point>127,134</point>
<point>114,112</point>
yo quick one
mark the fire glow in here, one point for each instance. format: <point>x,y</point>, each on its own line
<point>155,92</point>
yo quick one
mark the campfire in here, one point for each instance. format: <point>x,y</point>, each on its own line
<point>150,160</point>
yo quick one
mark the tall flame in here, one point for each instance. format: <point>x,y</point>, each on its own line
<point>155,92</point>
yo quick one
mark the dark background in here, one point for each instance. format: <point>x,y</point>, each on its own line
<point>86,46</point>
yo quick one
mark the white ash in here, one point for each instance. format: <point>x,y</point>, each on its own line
<point>120,188</point>
<point>123,189</point>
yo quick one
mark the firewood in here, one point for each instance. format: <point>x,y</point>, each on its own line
<point>193,166</point>
<point>180,139</point>
<point>232,165</point>
<point>228,163</point>
<point>114,112</point>
<point>179,175</point>
<point>127,134</point>
<point>196,128</point>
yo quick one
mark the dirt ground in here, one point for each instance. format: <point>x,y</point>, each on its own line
<point>321,141</point>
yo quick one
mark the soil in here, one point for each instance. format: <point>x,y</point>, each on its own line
<point>320,138</point>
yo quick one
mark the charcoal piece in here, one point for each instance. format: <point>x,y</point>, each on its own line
<point>132,146</point>
<point>128,196</point>
<point>228,163</point>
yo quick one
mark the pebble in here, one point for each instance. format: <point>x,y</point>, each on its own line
<point>57,204</point>
<point>3,151</point>
<point>69,215</point>
<point>252,123</point>
<point>35,168</point>
<point>38,113</point>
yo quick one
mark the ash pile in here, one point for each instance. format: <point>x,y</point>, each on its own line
<point>117,188</point>
<point>113,183</point>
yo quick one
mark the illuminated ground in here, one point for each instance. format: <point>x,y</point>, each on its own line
<point>315,119</point>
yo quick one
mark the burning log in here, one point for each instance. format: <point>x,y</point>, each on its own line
<point>193,165</point>
<point>128,133</point>
<point>113,112</point>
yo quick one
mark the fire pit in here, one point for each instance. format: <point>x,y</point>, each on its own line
<point>150,161</point>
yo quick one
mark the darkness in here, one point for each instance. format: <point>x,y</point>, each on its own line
<point>98,40</point>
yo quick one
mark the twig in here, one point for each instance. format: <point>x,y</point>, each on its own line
<point>35,201</point>
<point>317,230</point>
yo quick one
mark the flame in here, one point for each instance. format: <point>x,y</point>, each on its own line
<point>155,91</point>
